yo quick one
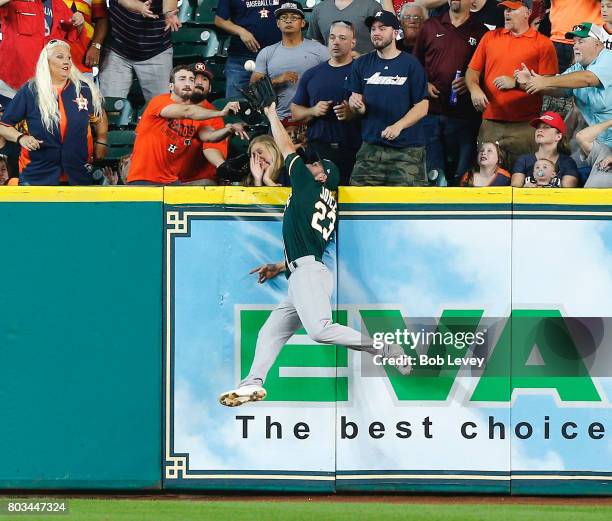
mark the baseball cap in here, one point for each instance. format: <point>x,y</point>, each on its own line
<point>290,7</point>
<point>588,30</point>
<point>333,174</point>
<point>200,68</point>
<point>385,18</point>
<point>310,155</point>
<point>552,119</point>
<point>516,4</point>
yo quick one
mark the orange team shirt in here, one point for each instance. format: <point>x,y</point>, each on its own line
<point>565,14</point>
<point>500,53</point>
<point>163,147</point>
<point>91,10</point>
<point>199,167</point>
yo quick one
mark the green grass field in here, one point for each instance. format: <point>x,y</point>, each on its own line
<point>244,510</point>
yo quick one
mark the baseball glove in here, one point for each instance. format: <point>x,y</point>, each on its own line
<point>233,170</point>
<point>259,94</point>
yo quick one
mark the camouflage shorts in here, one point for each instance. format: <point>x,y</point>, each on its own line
<point>377,165</point>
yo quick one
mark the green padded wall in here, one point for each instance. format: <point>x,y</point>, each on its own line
<point>80,337</point>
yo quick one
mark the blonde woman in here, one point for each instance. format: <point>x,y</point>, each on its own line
<point>266,163</point>
<point>56,111</point>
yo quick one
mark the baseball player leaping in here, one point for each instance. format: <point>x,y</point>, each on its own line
<point>308,224</point>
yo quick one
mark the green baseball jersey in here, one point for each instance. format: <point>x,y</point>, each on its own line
<point>310,214</point>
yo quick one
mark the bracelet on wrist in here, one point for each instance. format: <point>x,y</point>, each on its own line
<point>19,138</point>
<point>103,143</point>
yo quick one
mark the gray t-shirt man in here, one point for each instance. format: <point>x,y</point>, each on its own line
<point>277,59</point>
<point>356,12</point>
<point>599,178</point>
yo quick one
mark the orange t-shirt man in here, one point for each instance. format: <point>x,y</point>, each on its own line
<point>198,167</point>
<point>500,53</point>
<point>163,147</point>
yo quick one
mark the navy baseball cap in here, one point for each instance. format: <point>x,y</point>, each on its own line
<point>384,17</point>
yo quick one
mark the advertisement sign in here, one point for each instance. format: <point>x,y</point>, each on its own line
<point>508,384</point>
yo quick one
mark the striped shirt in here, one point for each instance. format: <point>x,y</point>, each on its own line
<point>137,38</point>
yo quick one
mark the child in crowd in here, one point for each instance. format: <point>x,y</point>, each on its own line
<point>488,171</point>
<point>4,170</point>
<point>544,175</point>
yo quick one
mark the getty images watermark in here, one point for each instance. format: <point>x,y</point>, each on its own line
<point>453,344</point>
<point>530,342</point>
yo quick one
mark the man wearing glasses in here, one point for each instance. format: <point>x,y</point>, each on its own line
<point>285,61</point>
<point>412,16</point>
<point>353,11</point>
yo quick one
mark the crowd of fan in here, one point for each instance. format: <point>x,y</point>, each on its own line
<point>431,92</point>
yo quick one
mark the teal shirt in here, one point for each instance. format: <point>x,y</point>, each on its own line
<point>595,103</point>
<point>310,214</point>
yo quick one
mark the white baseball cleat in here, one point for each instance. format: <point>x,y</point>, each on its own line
<point>401,360</point>
<point>241,395</point>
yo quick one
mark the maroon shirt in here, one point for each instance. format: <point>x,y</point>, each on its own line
<point>444,49</point>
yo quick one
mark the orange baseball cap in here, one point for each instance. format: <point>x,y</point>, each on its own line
<point>516,4</point>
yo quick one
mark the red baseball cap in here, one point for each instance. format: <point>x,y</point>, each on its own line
<point>552,119</point>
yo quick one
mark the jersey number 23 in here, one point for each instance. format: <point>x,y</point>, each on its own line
<point>323,211</point>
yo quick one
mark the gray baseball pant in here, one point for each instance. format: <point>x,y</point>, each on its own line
<point>308,304</point>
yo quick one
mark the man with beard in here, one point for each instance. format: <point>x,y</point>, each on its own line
<point>389,90</point>
<point>169,128</point>
<point>202,170</point>
<point>321,99</point>
<point>445,46</point>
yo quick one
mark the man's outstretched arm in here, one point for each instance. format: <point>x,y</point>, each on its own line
<point>195,112</point>
<point>281,137</point>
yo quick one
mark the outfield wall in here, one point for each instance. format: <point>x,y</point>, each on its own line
<point>127,311</point>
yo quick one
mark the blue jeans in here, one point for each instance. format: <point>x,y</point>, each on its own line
<point>236,76</point>
<point>450,146</point>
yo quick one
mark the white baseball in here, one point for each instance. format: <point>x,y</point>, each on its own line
<point>249,65</point>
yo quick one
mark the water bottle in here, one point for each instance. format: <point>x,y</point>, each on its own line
<point>453,95</point>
